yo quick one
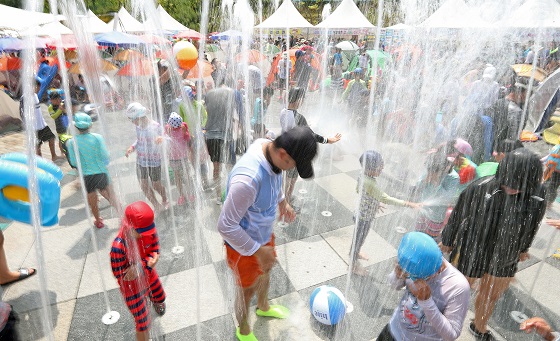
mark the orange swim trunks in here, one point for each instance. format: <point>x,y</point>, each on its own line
<point>245,268</point>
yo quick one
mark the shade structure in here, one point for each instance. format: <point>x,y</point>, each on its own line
<point>67,42</point>
<point>128,54</point>
<point>454,14</point>
<point>347,45</point>
<point>105,66</point>
<point>534,14</point>
<point>11,44</point>
<point>154,39</point>
<point>19,19</point>
<point>137,68</point>
<point>168,23</point>
<point>286,16</point>
<point>95,25</point>
<point>251,56</point>
<point>126,22</point>
<point>9,63</point>
<point>201,64</point>
<point>226,35</point>
<point>52,29</point>
<point>399,26</point>
<point>346,15</point>
<point>189,34</point>
<point>526,70</point>
<point>116,38</point>
<point>53,61</point>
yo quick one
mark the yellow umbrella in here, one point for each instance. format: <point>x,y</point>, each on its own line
<point>105,66</point>
<point>128,54</point>
<point>525,70</point>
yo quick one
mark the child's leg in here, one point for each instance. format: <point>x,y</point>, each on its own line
<point>552,187</point>
<point>38,150</point>
<point>109,194</point>
<point>157,294</point>
<point>51,147</point>
<point>93,205</point>
<point>136,303</point>
<point>178,171</point>
<point>362,230</point>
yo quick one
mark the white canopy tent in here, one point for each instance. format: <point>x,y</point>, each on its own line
<point>286,16</point>
<point>346,15</point>
<point>19,19</point>
<point>397,27</point>
<point>454,14</point>
<point>95,25</point>
<point>126,22</point>
<point>52,29</point>
<point>534,14</point>
<point>169,23</point>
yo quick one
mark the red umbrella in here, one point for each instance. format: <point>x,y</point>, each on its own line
<point>189,34</point>
<point>135,68</point>
<point>315,63</point>
<point>68,42</point>
<point>253,57</point>
<point>10,63</point>
<point>53,61</point>
<point>154,39</point>
<point>206,70</point>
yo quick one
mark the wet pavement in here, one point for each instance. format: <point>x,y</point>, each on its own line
<point>312,251</point>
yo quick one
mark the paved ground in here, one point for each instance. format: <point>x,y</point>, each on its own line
<point>312,251</point>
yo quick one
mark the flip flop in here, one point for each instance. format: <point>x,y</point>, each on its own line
<point>23,274</point>
<point>248,337</point>
<point>276,311</point>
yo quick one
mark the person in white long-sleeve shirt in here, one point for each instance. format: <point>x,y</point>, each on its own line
<point>254,194</point>
<point>436,297</point>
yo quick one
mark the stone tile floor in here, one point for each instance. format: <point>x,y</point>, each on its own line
<point>311,251</point>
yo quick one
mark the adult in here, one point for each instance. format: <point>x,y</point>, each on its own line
<point>303,68</point>
<point>436,297</point>
<point>166,88</point>
<point>492,227</point>
<point>354,94</point>
<point>221,130</point>
<point>484,92</point>
<point>218,73</point>
<point>507,113</point>
<point>284,68</point>
<point>254,194</point>
<point>94,159</point>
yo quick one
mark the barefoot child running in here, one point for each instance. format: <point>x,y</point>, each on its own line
<point>371,195</point>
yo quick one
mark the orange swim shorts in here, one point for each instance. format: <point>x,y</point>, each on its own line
<point>245,268</point>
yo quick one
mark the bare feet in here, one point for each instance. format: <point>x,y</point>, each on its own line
<point>363,255</point>
<point>359,270</point>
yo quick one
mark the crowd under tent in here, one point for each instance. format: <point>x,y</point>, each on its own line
<point>346,15</point>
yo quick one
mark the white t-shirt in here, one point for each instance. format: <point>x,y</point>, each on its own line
<point>39,119</point>
<point>440,317</point>
<point>287,120</point>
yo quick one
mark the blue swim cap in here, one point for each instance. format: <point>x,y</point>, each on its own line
<point>419,255</point>
<point>358,70</point>
<point>82,120</point>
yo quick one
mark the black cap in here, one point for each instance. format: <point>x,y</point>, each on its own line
<point>301,145</point>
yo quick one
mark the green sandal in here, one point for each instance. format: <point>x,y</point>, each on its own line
<point>248,337</point>
<point>276,311</point>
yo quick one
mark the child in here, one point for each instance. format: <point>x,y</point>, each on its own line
<point>58,114</point>
<point>148,162</point>
<point>502,148</point>
<point>372,164</point>
<point>180,153</point>
<point>259,111</point>
<point>459,152</point>
<point>437,190</point>
<point>44,133</point>
<point>134,255</point>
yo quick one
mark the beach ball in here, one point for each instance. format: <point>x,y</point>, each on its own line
<point>186,54</point>
<point>327,305</point>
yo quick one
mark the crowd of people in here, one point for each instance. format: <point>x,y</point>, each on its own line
<point>479,202</point>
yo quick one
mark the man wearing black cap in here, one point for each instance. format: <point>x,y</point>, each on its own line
<point>254,192</point>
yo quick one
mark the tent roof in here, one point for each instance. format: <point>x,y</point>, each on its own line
<point>168,22</point>
<point>454,14</point>
<point>399,26</point>
<point>95,25</point>
<point>286,15</point>
<point>19,19</point>
<point>127,22</point>
<point>346,15</point>
<point>52,29</point>
<point>534,14</point>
